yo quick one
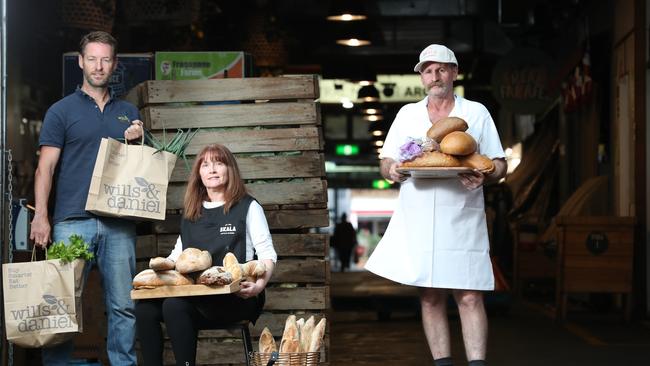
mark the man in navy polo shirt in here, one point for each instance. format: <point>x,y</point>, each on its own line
<point>72,131</point>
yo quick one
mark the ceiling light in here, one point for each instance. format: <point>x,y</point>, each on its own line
<point>377,133</point>
<point>373,117</point>
<point>379,143</point>
<point>353,42</point>
<point>347,103</point>
<point>346,11</point>
<point>371,108</point>
<point>368,93</point>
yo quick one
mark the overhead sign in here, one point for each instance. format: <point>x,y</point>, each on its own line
<point>520,81</point>
<point>392,89</point>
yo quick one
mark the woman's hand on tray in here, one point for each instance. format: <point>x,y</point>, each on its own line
<point>249,289</point>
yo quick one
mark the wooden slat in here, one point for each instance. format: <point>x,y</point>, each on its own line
<point>172,91</point>
<point>254,141</point>
<point>211,351</point>
<point>619,242</point>
<point>298,298</point>
<point>601,280</point>
<point>187,290</point>
<point>277,219</point>
<point>300,191</point>
<point>231,115</point>
<point>286,245</point>
<point>623,263</point>
<point>306,165</point>
<point>300,271</point>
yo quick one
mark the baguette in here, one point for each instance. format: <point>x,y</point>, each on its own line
<point>267,342</point>
<point>290,337</point>
<point>306,333</point>
<point>443,127</point>
<point>317,336</point>
<point>161,264</point>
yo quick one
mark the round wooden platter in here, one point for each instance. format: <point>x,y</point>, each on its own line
<point>434,172</point>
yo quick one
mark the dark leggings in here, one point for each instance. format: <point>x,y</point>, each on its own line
<point>183,318</point>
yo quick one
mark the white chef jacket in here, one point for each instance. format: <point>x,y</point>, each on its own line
<point>437,236</point>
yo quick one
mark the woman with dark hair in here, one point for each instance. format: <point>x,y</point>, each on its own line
<point>215,198</point>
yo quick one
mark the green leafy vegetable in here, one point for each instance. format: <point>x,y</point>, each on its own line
<point>176,145</point>
<point>77,248</point>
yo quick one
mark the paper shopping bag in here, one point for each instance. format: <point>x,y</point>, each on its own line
<point>130,181</point>
<point>42,301</point>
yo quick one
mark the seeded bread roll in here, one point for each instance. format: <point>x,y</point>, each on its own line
<point>477,161</point>
<point>216,276</point>
<point>458,143</point>
<point>161,264</point>
<point>432,159</point>
<point>193,260</point>
<point>443,127</point>
<point>151,279</point>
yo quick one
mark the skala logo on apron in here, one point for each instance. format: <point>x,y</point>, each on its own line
<point>52,314</point>
<point>141,197</point>
<point>228,229</point>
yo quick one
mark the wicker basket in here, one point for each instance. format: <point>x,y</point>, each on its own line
<point>285,359</point>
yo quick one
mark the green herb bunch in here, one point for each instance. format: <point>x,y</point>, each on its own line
<point>77,248</point>
<point>176,145</point>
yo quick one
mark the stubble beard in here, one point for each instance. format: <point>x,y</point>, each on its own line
<point>103,83</point>
<point>438,90</point>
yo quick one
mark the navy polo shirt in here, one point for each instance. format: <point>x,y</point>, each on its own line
<point>76,125</point>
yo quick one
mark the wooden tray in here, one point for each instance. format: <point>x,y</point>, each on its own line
<point>184,290</point>
<point>434,172</point>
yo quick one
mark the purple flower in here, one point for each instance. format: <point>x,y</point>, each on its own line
<point>410,150</point>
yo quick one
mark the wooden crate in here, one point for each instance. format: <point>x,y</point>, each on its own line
<point>273,127</point>
<point>594,255</point>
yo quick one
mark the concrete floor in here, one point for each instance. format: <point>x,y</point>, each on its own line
<point>521,332</point>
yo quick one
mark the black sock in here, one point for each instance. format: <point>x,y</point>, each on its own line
<point>477,363</point>
<point>445,361</point>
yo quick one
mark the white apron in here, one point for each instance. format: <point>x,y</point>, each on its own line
<point>437,236</point>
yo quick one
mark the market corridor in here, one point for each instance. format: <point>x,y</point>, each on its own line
<point>521,333</point>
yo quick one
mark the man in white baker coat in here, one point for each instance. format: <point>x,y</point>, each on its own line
<point>437,237</point>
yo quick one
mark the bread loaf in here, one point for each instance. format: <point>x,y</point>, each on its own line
<point>150,279</point>
<point>290,337</point>
<point>232,265</point>
<point>432,159</point>
<point>216,276</point>
<point>267,342</point>
<point>443,127</point>
<point>193,260</point>
<point>477,161</point>
<point>306,333</point>
<point>458,143</point>
<point>161,264</point>
<point>317,336</point>
<point>253,269</point>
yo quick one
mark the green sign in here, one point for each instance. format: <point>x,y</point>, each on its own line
<point>380,184</point>
<point>200,65</point>
<point>347,149</point>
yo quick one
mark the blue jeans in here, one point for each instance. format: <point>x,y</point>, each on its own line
<point>112,241</point>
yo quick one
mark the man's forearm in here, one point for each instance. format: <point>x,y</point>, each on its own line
<point>384,167</point>
<point>500,169</point>
<point>42,188</point>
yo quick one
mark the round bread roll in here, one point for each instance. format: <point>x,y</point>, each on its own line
<point>458,143</point>
<point>150,279</point>
<point>193,260</point>
<point>477,161</point>
<point>432,159</point>
<point>161,264</point>
<point>443,127</point>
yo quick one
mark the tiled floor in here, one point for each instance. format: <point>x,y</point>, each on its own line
<point>521,333</point>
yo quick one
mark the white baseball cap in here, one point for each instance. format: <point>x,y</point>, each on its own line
<point>436,53</point>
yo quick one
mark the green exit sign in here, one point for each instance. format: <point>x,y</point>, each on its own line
<point>347,149</point>
<point>380,184</point>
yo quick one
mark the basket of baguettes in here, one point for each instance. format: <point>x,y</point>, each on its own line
<point>193,274</point>
<point>300,345</point>
<point>446,145</point>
